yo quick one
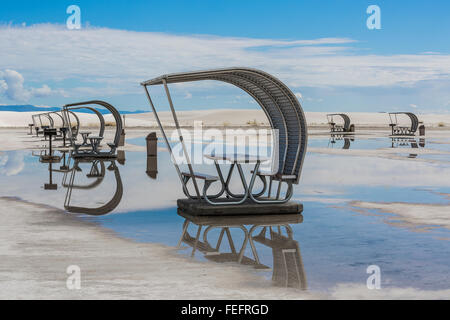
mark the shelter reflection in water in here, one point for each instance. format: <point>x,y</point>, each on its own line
<point>270,231</point>
<point>49,158</point>
<point>408,142</point>
<point>335,138</point>
<point>99,168</point>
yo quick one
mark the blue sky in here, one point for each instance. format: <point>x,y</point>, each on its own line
<point>408,59</point>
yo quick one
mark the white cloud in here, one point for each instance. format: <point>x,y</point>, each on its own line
<point>11,163</point>
<point>373,171</point>
<point>114,62</point>
<point>314,99</point>
<point>3,86</point>
<point>42,92</point>
<point>117,57</point>
<point>12,85</point>
<point>14,89</point>
<point>188,95</point>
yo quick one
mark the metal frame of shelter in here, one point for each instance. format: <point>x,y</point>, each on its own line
<point>49,114</point>
<point>65,122</point>
<point>66,116</point>
<point>347,127</point>
<point>403,131</point>
<point>98,114</point>
<point>40,124</point>
<point>68,108</point>
<point>280,105</point>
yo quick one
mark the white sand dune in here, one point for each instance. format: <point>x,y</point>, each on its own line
<point>227,117</point>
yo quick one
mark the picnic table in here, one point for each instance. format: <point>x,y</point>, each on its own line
<point>95,142</point>
<point>236,160</point>
<point>85,135</point>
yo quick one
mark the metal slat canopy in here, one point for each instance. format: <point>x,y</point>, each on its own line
<point>275,98</point>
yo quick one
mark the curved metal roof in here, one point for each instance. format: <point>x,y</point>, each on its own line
<point>275,98</point>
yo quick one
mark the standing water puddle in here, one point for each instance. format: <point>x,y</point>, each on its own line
<point>337,239</point>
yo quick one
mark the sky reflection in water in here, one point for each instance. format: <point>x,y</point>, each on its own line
<point>336,243</point>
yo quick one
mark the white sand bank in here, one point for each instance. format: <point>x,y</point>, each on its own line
<point>223,117</point>
<point>38,243</point>
<point>228,117</point>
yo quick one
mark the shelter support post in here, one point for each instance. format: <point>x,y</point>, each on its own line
<point>166,140</point>
<point>186,154</point>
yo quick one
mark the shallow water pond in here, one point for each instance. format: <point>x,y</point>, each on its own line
<point>335,243</point>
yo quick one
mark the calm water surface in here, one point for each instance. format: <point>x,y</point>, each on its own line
<point>336,240</point>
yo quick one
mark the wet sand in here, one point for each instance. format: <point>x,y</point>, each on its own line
<point>38,243</point>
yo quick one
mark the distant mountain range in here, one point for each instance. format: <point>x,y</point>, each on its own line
<point>31,108</point>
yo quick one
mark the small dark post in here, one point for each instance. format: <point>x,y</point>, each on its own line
<point>121,157</point>
<point>50,185</point>
<point>31,125</point>
<point>64,166</point>
<point>45,128</point>
<point>422,142</point>
<point>152,155</point>
<point>122,138</point>
<point>352,128</point>
<point>50,133</point>
<point>122,134</point>
<point>422,130</point>
<point>63,130</point>
<point>392,125</point>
